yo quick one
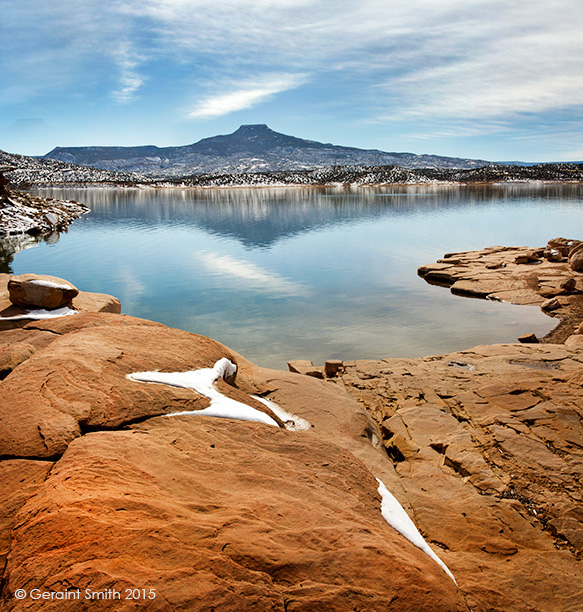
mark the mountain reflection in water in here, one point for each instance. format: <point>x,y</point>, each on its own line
<point>312,273</point>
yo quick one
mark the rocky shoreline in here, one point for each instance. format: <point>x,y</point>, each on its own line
<point>550,277</point>
<point>102,491</point>
<point>22,213</point>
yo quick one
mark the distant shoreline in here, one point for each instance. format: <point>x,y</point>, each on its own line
<point>28,172</point>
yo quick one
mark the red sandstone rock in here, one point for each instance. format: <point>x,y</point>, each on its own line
<point>19,480</point>
<point>528,339</point>
<point>492,273</point>
<point>301,366</point>
<point>40,291</point>
<point>332,367</point>
<point>79,380</point>
<point>576,258</point>
<point>496,431</point>
<point>83,302</point>
<point>482,450</point>
<point>218,515</point>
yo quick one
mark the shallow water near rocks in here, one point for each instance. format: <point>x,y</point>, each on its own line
<point>306,273</point>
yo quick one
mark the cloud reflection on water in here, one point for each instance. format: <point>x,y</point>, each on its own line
<point>250,275</point>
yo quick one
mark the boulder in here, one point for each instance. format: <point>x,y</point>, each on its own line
<point>550,304</point>
<point>569,285</point>
<point>552,254</point>
<point>576,258</point>
<point>575,342</point>
<point>40,291</point>
<point>302,366</point>
<point>528,256</point>
<point>528,339</point>
<point>563,245</point>
<point>332,367</point>
<point>83,302</point>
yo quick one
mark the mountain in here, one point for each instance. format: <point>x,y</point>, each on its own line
<point>22,172</point>
<point>251,148</point>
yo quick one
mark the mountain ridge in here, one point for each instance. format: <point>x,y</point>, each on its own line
<point>251,148</point>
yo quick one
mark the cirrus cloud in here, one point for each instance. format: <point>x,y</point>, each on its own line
<point>246,95</point>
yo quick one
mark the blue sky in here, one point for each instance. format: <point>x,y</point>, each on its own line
<point>490,79</point>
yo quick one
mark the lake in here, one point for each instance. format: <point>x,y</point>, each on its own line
<point>306,273</point>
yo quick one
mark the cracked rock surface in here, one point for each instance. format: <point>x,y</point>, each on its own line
<point>100,490</point>
<point>488,445</point>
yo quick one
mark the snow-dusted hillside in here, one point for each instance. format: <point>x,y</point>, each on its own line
<point>30,171</point>
<point>33,171</point>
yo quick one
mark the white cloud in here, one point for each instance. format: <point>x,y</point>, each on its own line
<point>130,80</point>
<point>249,274</point>
<point>247,95</point>
<point>441,64</point>
<point>436,58</point>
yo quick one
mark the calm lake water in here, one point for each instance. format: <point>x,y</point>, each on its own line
<point>306,273</point>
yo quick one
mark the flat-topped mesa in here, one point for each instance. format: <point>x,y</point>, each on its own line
<point>550,277</point>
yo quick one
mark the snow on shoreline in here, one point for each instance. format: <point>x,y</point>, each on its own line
<point>42,313</point>
<point>23,213</point>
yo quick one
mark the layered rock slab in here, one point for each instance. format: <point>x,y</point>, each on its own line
<point>520,275</point>
<point>217,515</point>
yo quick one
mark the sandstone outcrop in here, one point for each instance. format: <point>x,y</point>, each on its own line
<point>542,277</point>
<point>107,493</point>
<point>83,301</point>
<point>497,432</point>
<point>102,492</point>
<point>212,515</point>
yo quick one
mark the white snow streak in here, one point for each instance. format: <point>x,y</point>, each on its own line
<point>202,381</point>
<point>291,421</point>
<point>50,284</point>
<point>397,518</point>
<point>41,314</point>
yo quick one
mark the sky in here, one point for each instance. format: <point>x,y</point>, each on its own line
<point>490,79</point>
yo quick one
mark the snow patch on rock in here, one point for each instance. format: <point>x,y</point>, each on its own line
<point>202,381</point>
<point>50,284</point>
<point>397,518</point>
<point>42,313</point>
<point>291,421</point>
